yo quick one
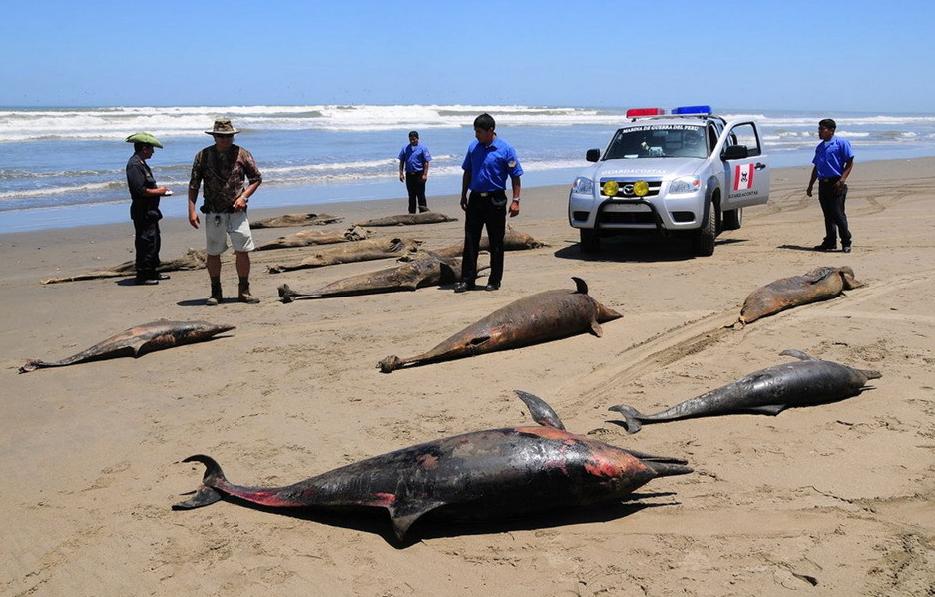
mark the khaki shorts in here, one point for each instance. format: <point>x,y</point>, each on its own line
<point>221,227</point>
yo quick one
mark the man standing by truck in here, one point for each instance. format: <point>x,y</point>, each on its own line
<point>833,162</point>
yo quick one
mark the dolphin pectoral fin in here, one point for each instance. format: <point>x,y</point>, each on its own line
<point>766,409</point>
<point>541,412</point>
<point>581,284</point>
<point>205,496</point>
<point>797,354</point>
<point>596,329</point>
<point>405,515</point>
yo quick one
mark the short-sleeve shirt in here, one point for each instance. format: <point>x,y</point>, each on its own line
<point>830,157</point>
<point>415,157</point>
<point>223,175</point>
<point>490,165</point>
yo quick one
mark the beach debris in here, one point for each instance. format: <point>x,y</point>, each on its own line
<point>426,217</point>
<point>139,340</point>
<point>294,220</point>
<point>805,382</point>
<point>424,269</point>
<point>820,284</point>
<point>542,317</point>
<point>307,238</point>
<point>513,240</point>
<point>192,260</point>
<point>364,250</point>
<point>497,473</point>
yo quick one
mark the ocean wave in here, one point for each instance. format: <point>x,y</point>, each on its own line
<point>61,190</point>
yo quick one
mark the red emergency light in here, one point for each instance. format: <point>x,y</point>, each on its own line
<point>634,112</point>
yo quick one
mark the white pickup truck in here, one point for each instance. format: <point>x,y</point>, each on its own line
<point>686,171</point>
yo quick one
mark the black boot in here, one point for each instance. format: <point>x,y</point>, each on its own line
<point>243,292</point>
<point>216,295</point>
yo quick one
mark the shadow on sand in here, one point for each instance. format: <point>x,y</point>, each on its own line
<point>433,525</point>
<point>639,250</point>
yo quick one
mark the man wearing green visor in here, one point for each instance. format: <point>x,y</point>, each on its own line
<point>144,207</point>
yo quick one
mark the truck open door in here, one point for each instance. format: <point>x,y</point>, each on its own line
<point>746,170</point>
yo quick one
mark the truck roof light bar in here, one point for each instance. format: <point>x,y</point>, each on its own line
<point>636,112</point>
<point>692,110</point>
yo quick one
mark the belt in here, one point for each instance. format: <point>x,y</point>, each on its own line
<point>829,178</point>
<point>488,193</point>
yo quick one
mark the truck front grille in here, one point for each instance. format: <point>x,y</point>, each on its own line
<point>626,187</point>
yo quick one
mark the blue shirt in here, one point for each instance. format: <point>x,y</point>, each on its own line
<point>415,157</point>
<point>490,165</point>
<point>830,157</point>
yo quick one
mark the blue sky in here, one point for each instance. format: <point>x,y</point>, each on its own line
<point>854,56</point>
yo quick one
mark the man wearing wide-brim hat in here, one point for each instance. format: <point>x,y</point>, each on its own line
<point>144,207</point>
<point>223,167</point>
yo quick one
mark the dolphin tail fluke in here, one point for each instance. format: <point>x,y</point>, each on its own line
<point>390,364</point>
<point>286,294</point>
<point>631,417</point>
<point>206,494</point>
<point>31,365</point>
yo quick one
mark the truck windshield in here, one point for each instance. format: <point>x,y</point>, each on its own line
<point>658,141</point>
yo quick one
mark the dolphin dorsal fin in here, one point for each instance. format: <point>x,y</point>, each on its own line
<point>581,284</point>
<point>541,412</point>
<point>797,354</point>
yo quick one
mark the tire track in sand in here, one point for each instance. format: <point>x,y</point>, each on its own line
<point>674,344</point>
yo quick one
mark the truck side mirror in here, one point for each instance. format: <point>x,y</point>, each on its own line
<point>593,155</point>
<point>734,152</point>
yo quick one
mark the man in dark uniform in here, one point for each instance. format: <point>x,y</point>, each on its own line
<point>488,162</point>
<point>833,162</point>
<point>414,171</point>
<point>144,208</point>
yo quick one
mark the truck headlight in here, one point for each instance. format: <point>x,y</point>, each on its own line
<point>686,184</point>
<point>583,186</point>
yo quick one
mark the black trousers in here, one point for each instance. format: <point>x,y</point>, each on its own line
<point>148,242</point>
<point>481,212</point>
<point>832,206</point>
<point>416,188</point>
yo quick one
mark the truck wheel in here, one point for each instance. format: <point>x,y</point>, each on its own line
<point>733,219</point>
<point>590,241</point>
<point>704,237</point>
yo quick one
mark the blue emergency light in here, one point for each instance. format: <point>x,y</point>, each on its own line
<point>692,110</point>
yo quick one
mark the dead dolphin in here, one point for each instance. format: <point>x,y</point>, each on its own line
<point>307,238</point>
<point>364,250</point>
<point>139,340</point>
<point>769,391</point>
<point>508,472</point>
<point>425,269</point>
<point>817,285</point>
<point>194,259</point>
<point>538,318</point>
<point>293,220</point>
<point>426,217</point>
<point>513,240</point>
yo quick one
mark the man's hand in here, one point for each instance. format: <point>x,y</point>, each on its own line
<point>240,203</point>
<point>839,185</point>
<point>193,218</point>
<point>464,202</point>
<point>402,177</point>
<point>514,208</point>
<point>425,177</point>
<point>808,191</point>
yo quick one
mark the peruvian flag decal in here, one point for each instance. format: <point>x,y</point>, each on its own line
<point>743,177</point>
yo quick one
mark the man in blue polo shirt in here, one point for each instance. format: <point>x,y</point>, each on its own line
<point>833,162</point>
<point>414,171</point>
<point>488,162</point>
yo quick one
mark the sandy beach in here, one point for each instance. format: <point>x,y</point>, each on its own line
<point>842,495</point>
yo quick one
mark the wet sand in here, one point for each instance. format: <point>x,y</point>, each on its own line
<point>840,494</point>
